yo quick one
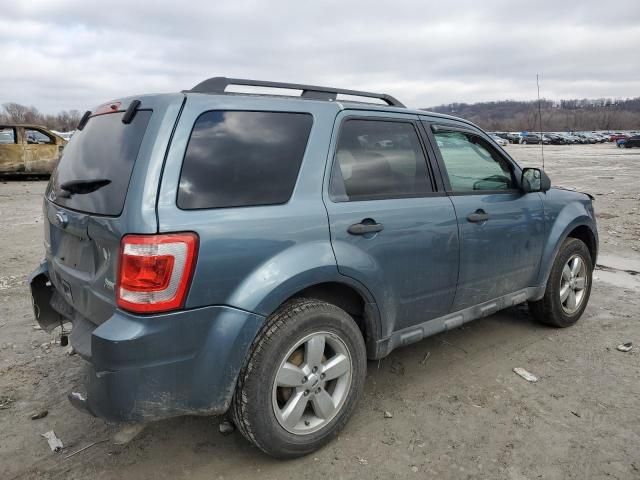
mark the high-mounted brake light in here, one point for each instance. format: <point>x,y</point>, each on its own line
<point>155,271</point>
<point>107,108</point>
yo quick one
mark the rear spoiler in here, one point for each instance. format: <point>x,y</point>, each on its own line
<point>127,118</point>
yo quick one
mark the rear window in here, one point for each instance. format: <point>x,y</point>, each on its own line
<point>94,171</point>
<point>237,159</point>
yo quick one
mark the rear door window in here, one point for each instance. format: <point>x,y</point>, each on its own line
<point>96,165</point>
<point>237,159</point>
<point>378,159</point>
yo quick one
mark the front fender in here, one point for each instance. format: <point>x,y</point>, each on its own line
<point>561,221</point>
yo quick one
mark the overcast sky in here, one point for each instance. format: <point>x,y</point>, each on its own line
<point>65,54</point>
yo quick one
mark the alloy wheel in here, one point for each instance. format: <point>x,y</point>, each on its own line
<point>573,284</point>
<point>312,383</point>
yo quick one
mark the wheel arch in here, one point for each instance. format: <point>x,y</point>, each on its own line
<point>352,299</point>
<point>308,270</point>
<point>585,234</point>
<point>582,228</point>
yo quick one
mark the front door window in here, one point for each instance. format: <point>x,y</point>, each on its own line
<point>472,164</point>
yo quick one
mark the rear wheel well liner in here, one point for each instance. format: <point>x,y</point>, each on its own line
<point>351,300</point>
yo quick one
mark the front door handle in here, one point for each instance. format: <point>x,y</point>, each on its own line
<point>364,228</point>
<point>478,216</point>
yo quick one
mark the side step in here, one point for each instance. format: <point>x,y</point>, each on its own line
<point>434,326</point>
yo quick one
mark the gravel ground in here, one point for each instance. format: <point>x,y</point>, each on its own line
<point>458,410</point>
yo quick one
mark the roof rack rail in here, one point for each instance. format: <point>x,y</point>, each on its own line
<point>310,92</point>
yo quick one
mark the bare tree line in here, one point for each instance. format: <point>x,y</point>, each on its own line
<point>566,115</point>
<point>62,122</point>
<point>508,115</point>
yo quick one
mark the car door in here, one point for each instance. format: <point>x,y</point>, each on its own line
<point>41,151</point>
<point>391,228</point>
<point>11,150</point>
<point>501,228</point>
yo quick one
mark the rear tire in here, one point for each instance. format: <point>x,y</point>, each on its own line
<point>568,287</point>
<point>302,380</point>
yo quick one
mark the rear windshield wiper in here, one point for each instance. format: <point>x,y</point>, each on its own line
<point>84,186</point>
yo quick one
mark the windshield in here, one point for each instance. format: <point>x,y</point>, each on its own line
<point>94,171</point>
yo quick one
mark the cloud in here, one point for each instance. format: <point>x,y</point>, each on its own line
<point>76,54</point>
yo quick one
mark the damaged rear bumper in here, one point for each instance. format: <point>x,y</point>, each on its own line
<point>143,368</point>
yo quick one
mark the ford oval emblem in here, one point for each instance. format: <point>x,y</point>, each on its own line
<point>62,220</point>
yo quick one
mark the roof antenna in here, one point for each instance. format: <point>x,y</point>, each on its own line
<point>540,117</point>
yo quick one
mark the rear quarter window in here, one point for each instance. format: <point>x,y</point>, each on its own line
<point>237,159</point>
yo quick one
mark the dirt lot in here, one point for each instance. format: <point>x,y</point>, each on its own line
<point>458,410</point>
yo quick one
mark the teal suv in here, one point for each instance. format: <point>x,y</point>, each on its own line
<point>213,251</point>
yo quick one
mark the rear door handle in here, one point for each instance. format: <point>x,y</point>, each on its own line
<point>478,216</point>
<point>364,228</point>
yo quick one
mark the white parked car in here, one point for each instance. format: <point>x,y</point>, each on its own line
<point>65,135</point>
<point>499,140</point>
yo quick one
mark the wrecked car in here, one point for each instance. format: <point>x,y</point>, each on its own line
<point>29,150</point>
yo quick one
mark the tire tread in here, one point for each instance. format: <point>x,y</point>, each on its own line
<point>269,331</point>
<point>545,310</point>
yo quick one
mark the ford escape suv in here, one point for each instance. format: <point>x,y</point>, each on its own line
<point>248,252</point>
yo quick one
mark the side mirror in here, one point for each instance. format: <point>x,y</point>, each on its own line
<point>534,180</point>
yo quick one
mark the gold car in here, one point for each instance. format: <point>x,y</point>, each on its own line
<point>29,150</point>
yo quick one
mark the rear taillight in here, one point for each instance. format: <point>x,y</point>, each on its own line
<point>155,271</point>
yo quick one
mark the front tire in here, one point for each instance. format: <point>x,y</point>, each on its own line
<point>568,287</point>
<point>302,380</point>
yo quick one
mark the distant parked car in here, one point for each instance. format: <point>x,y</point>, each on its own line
<point>579,138</point>
<point>29,150</point>
<point>629,142</point>
<point>554,139</point>
<point>601,137</point>
<point>509,137</point>
<point>530,138</point>
<point>66,135</point>
<point>512,137</point>
<point>587,137</point>
<point>614,137</point>
<point>499,140</point>
<point>568,138</point>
